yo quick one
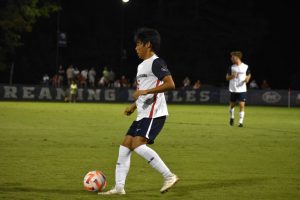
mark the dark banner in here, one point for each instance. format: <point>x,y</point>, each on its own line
<point>194,96</point>
<point>203,96</point>
<point>267,97</point>
<point>40,93</point>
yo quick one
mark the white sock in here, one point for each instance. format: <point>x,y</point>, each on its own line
<point>122,167</point>
<point>231,112</point>
<point>154,160</point>
<point>242,114</point>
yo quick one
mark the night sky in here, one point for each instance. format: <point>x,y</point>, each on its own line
<point>197,37</point>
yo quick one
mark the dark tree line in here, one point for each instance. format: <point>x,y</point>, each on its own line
<point>16,18</point>
<point>197,36</point>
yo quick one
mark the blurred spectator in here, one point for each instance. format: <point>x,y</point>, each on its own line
<point>67,95</point>
<point>76,74</point>
<point>83,78</point>
<point>46,79</point>
<point>253,85</point>
<point>111,78</point>
<point>102,82</point>
<point>61,74</point>
<point>124,82</point>
<point>197,85</point>
<point>84,73</point>
<point>186,82</point>
<point>70,74</point>
<point>105,73</point>
<point>92,75</point>
<point>73,91</point>
<point>117,84</point>
<point>56,80</point>
<point>265,85</point>
<point>134,84</point>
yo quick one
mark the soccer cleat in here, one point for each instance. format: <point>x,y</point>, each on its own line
<point>169,183</point>
<point>241,125</point>
<point>113,191</point>
<point>231,122</point>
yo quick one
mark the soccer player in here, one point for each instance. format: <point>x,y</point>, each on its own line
<point>153,79</point>
<point>238,76</point>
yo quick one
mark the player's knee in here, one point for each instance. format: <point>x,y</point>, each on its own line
<point>138,141</point>
<point>127,142</point>
<point>134,145</point>
<point>127,146</point>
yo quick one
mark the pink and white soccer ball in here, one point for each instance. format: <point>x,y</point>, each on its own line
<point>94,181</point>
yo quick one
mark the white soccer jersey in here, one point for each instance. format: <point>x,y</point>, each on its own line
<point>149,75</point>
<point>237,84</point>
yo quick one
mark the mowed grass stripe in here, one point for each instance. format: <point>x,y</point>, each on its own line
<point>47,148</point>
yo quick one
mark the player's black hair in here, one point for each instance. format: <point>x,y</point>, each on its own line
<point>146,35</point>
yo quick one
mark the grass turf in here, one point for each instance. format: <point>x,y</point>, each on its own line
<point>47,148</point>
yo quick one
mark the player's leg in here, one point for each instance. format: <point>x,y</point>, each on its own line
<point>231,113</point>
<point>123,163</point>
<point>152,128</point>
<point>140,147</point>
<point>242,113</point>
<point>231,108</point>
<point>150,156</point>
<point>122,167</point>
<point>127,142</point>
<point>242,101</point>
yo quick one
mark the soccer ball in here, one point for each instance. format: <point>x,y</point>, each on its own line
<point>94,181</point>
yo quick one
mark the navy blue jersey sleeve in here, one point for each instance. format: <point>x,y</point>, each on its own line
<point>248,71</point>
<point>229,71</point>
<point>160,69</point>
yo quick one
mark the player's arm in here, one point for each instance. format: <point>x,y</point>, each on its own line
<point>168,84</point>
<point>247,79</point>
<point>130,109</point>
<point>248,76</point>
<point>230,74</point>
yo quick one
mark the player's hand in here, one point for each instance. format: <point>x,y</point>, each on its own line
<point>129,110</point>
<point>241,83</point>
<point>138,93</point>
<point>234,74</point>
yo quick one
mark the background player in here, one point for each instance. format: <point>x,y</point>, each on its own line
<point>153,78</point>
<point>238,76</point>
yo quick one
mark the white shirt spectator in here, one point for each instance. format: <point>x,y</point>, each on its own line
<point>70,73</point>
<point>76,72</point>
<point>46,79</point>
<point>92,75</point>
<point>253,84</point>
<point>84,74</point>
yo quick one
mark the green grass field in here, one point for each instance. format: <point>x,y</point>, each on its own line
<point>47,148</point>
